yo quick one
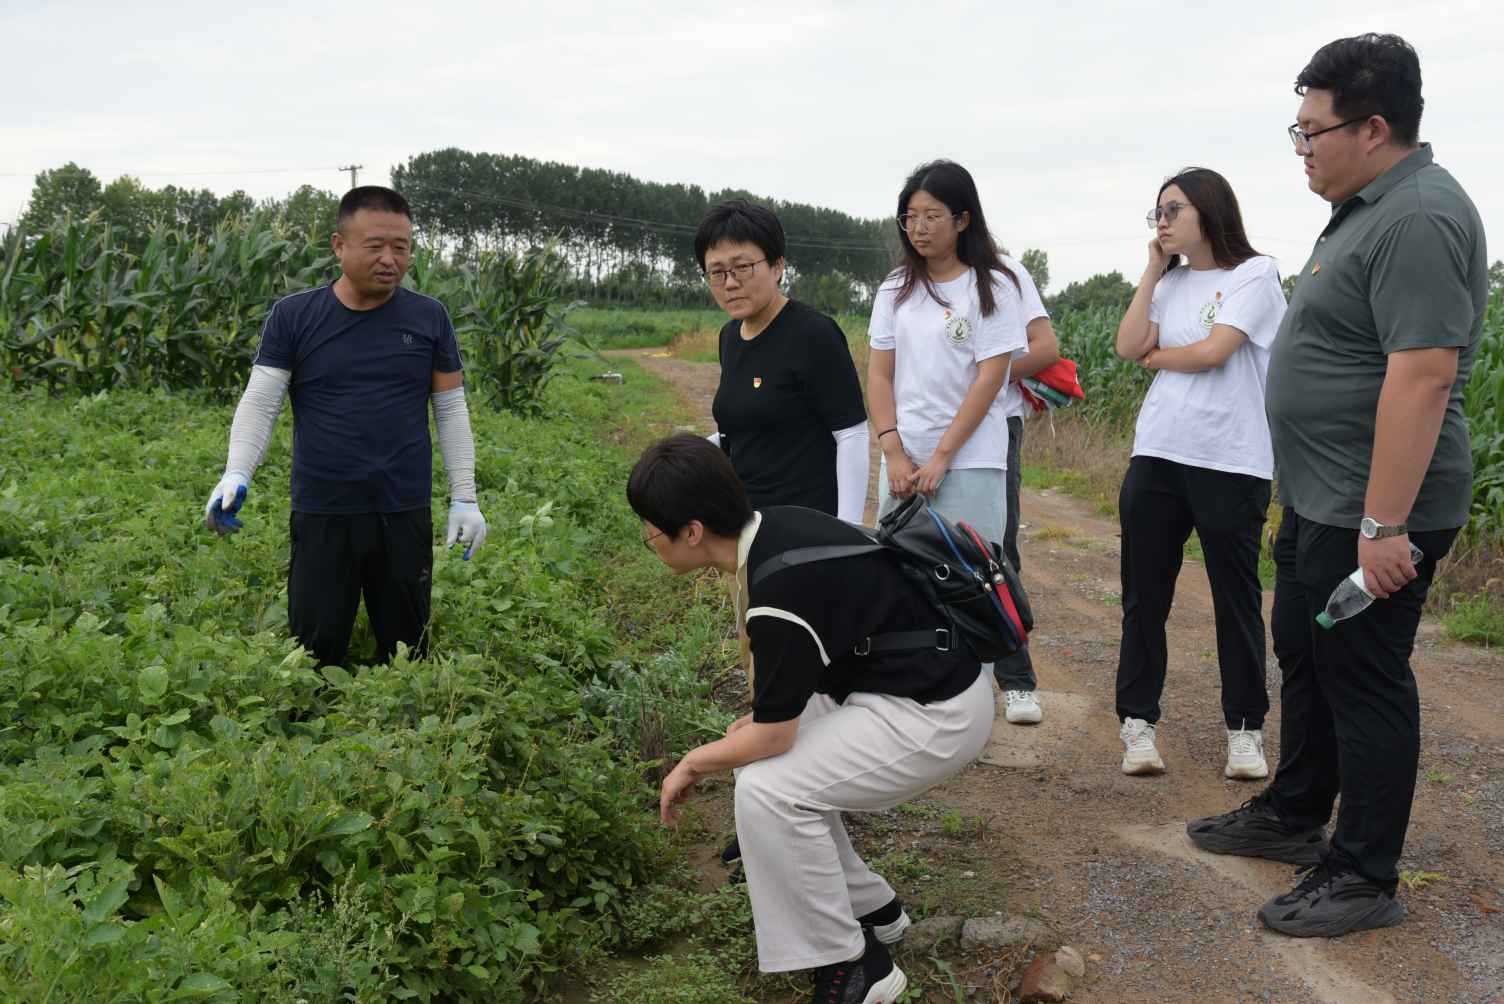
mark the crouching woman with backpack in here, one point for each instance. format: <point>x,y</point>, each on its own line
<point>838,724</point>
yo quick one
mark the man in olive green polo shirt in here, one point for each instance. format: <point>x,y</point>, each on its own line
<point>1371,450</point>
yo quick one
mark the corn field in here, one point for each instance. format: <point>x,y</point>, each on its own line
<point>1115,389</point>
<point>79,313</point>
<point>1484,406</point>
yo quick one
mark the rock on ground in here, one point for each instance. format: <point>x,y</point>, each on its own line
<point>1006,932</point>
<point>930,932</point>
<point>1045,980</point>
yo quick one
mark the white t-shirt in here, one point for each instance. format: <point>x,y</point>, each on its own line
<point>1014,405</point>
<point>1214,419</point>
<point>936,351</point>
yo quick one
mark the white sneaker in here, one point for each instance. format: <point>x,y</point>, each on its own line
<point>1245,754</point>
<point>1139,754</point>
<point>1021,707</point>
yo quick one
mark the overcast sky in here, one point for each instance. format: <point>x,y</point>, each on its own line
<point>1068,114</point>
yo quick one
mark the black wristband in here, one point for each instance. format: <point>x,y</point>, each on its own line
<point>880,435</point>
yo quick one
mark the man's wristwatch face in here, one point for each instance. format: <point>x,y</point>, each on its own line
<point>1372,529</point>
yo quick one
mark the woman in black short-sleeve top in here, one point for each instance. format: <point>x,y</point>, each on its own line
<point>788,411</point>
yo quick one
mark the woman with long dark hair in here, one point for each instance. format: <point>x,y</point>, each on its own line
<point>1203,318</point>
<point>945,325</point>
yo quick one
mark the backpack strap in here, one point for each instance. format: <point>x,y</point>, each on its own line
<point>942,639</point>
<point>939,639</point>
<point>805,555</point>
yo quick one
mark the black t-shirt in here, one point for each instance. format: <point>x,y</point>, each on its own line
<point>361,380</point>
<point>781,396</point>
<point>805,621</point>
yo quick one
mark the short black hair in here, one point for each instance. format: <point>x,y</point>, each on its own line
<point>1369,75</point>
<point>741,221</point>
<point>385,200</point>
<point>687,477</point>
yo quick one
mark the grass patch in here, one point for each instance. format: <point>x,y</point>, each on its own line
<point>629,328</point>
<point>1479,619</point>
<point>1054,533</point>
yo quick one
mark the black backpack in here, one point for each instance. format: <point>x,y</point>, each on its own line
<point>974,591</point>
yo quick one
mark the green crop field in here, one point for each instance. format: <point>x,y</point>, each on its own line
<point>189,810</point>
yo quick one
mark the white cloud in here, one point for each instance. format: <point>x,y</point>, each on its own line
<point>1069,114</point>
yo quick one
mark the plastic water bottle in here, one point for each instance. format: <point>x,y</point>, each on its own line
<point>1351,597</point>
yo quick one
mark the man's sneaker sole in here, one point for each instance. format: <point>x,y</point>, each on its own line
<point>1247,772</point>
<point>1298,921</point>
<point>888,989</point>
<point>890,934</point>
<point>1142,768</point>
<point>1024,716</point>
<point>1299,849</point>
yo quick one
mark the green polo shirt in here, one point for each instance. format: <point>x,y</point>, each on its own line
<point>1402,265</point>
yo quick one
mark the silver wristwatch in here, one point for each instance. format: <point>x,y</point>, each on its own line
<point>1372,529</point>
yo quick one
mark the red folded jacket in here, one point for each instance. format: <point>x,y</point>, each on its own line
<point>1060,377</point>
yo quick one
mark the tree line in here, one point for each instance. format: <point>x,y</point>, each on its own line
<point>134,210</point>
<point>619,239</point>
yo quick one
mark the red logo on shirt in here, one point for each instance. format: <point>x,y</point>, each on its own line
<point>756,382</point>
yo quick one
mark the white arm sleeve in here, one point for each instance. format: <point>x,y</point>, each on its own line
<point>456,442</point>
<point>255,418</point>
<point>852,467</point>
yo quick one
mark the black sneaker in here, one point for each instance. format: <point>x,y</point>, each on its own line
<point>1254,830</point>
<point>887,922</point>
<point>871,979</point>
<point>733,852</point>
<point>1329,903</point>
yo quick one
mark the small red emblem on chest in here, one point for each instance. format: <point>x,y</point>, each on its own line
<point>756,382</point>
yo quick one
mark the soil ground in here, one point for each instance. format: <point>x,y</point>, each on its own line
<point>1045,824</point>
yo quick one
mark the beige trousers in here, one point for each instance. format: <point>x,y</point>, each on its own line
<point>806,883</point>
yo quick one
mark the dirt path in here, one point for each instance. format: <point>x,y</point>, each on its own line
<point>1046,824</point>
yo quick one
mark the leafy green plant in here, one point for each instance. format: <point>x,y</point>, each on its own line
<point>1477,619</point>
<point>80,312</point>
<point>463,826</point>
<point>510,317</point>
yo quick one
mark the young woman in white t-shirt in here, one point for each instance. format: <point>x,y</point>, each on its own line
<point>1202,459</point>
<point>945,325</point>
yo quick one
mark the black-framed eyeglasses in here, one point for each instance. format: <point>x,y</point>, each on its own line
<point>1301,138</point>
<point>647,541</point>
<point>743,272</point>
<point>1169,211</point>
<point>911,222</point>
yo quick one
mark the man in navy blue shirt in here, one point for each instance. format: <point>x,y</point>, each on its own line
<point>361,358</point>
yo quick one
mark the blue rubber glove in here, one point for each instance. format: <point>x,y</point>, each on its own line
<point>219,516</point>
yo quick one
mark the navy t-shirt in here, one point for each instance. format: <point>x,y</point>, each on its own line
<point>361,380</point>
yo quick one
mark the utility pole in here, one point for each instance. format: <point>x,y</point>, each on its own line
<point>354,170</point>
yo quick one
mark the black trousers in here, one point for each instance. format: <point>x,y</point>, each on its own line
<point>1160,503</point>
<point>1017,671</point>
<point>388,557</point>
<point>1349,710</point>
